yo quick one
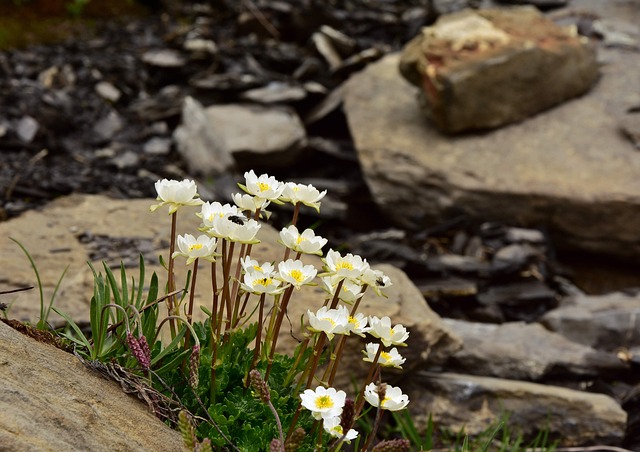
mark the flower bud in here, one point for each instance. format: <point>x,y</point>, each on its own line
<point>138,350</point>
<point>347,416</point>
<point>194,367</point>
<point>259,386</point>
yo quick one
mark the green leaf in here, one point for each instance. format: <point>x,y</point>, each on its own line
<point>169,348</point>
<point>81,338</point>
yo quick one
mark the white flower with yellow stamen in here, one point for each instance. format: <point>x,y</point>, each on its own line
<point>263,186</point>
<point>258,282</point>
<point>357,324</point>
<point>175,194</point>
<point>394,399</point>
<point>208,211</point>
<point>382,329</point>
<point>329,321</point>
<point>296,273</point>
<point>376,279</point>
<point>307,242</point>
<point>332,426</point>
<point>250,203</point>
<point>323,402</point>
<point>249,265</point>
<point>386,359</point>
<point>305,194</point>
<point>349,292</point>
<point>235,228</point>
<point>349,266</point>
<point>192,248</point>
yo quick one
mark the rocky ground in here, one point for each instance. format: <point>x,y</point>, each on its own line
<point>112,111</point>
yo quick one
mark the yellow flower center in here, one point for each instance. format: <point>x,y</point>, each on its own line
<point>384,401</point>
<point>265,281</point>
<point>330,320</point>
<point>391,332</point>
<point>386,356</point>
<point>195,246</point>
<point>297,275</point>
<point>257,267</point>
<point>324,402</point>
<point>344,264</point>
<point>300,239</point>
<point>263,186</point>
<point>354,321</point>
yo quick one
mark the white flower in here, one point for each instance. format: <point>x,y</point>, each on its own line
<point>208,211</point>
<point>394,399</point>
<point>357,324</point>
<point>332,426</point>
<point>350,291</point>
<point>258,283</point>
<point>296,273</point>
<point>386,359</point>
<point>349,266</point>
<point>306,194</point>
<point>376,279</point>
<point>235,228</point>
<point>329,321</point>
<point>175,194</point>
<point>323,402</point>
<point>250,203</point>
<point>307,242</point>
<point>203,247</point>
<point>382,329</point>
<point>265,186</point>
<point>249,265</point>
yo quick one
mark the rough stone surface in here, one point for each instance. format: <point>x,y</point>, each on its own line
<point>50,401</point>
<point>486,68</point>
<point>573,417</point>
<point>198,142</point>
<point>607,322</point>
<point>521,351</point>
<point>213,139</point>
<point>580,171</point>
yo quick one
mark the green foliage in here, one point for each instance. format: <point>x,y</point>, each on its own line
<point>45,309</point>
<point>114,310</point>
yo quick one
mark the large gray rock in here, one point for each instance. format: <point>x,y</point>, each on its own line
<point>213,139</point>
<point>521,351</point>
<point>473,403</point>
<point>50,401</point>
<point>568,169</point>
<point>607,322</point>
<point>486,68</point>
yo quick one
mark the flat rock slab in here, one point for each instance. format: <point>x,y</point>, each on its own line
<point>486,68</point>
<point>51,402</point>
<point>473,403</point>
<point>521,351</point>
<point>607,322</point>
<point>568,169</point>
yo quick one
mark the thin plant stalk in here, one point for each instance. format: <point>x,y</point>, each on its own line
<point>294,220</point>
<point>256,349</point>
<point>171,301</point>
<point>192,294</point>
<point>333,365</point>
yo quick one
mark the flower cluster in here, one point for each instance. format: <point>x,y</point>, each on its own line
<point>227,234</point>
